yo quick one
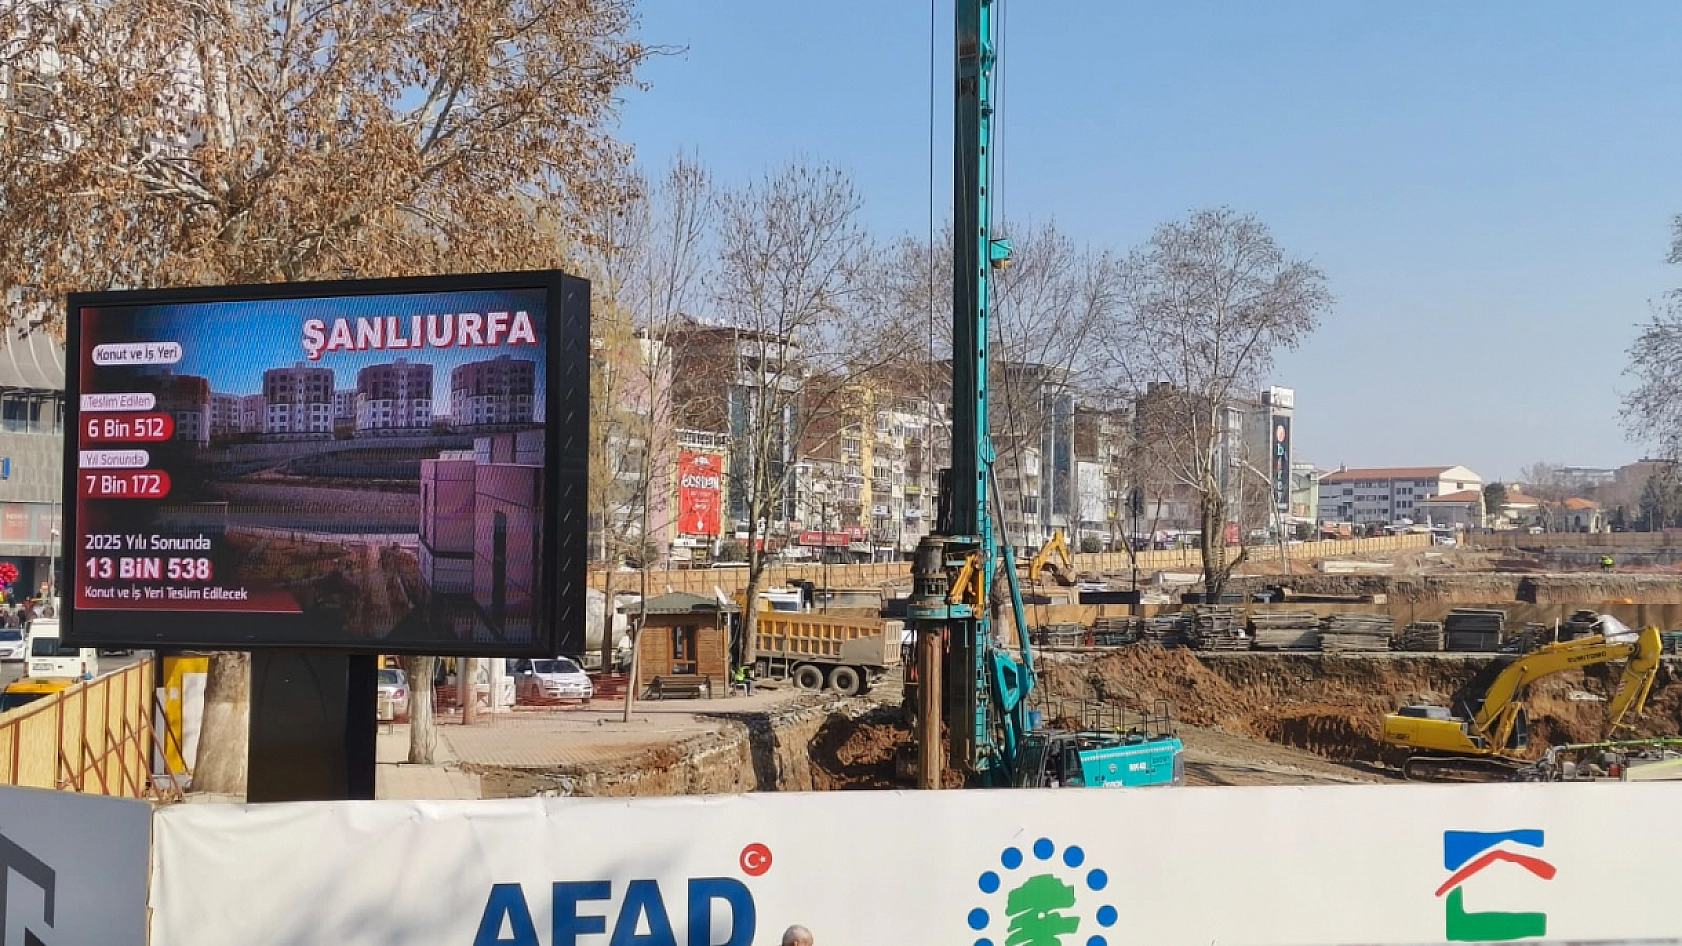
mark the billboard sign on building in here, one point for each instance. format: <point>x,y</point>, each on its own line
<point>1279,447</point>
<point>447,519</point>
<point>700,493</point>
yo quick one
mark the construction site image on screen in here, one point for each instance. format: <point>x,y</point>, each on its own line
<point>352,469</point>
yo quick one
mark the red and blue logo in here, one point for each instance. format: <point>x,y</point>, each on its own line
<point>1466,854</point>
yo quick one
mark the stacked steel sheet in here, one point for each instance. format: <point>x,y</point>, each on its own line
<point>1527,640</point>
<point>1167,630</point>
<point>1341,633</point>
<point>1424,636</point>
<point>1058,635</point>
<point>1285,630</point>
<point>1474,630</point>
<point>1672,642</point>
<point>1219,627</point>
<point>1117,631</point>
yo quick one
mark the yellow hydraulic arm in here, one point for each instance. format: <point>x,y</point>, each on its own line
<point>1502,703</point>
<point>1059,546</point>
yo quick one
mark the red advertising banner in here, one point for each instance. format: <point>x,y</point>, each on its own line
<point>14,523</point>
<point>700,493</point>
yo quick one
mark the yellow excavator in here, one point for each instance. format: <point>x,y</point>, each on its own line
<point>1041,563</point>
<point>1486,740</point>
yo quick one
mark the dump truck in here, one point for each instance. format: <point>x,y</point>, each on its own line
<point>821,651</point>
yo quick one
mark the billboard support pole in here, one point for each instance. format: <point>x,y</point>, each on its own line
<point>313,722</point>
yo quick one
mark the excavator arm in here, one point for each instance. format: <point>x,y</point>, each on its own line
<point>1057,545</point>
<point>1637,680</point>
<point>1502,703</point>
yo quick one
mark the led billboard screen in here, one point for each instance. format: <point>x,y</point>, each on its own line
<point>395,466</point>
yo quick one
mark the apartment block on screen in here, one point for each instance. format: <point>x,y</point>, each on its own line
<point>446,523</point>
<point>493,393</point>
<point>186,398</point>
<point>298,402</point>
<point>507,533</point>
<point>480,526</point>
<point>393,398</point>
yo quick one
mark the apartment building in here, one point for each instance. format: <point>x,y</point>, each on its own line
<point>1388,494</point>
<point>498,392</point>
<point>298,403</point>
<point>186,399</point>
<point>392,399</point>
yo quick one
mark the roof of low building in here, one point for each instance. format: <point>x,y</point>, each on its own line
<point>682,602</point>
<point>1464,496</point>
<point>1387,473</point>
<point>30,359</point>
<point>1578,502</point>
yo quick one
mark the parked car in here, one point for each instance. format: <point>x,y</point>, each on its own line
<point>12,645</point>
<point>558,679</point>
<point>394,686</point>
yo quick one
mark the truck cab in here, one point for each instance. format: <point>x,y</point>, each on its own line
<point>50,659</point>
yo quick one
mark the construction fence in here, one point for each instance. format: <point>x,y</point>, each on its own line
<point>703,580</point>
<point>96,737</point>
<point>1574,540</point>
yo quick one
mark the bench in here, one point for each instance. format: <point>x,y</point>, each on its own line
<point>690,685</point>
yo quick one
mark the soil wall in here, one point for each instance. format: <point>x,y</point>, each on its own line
<point>1333,705</point>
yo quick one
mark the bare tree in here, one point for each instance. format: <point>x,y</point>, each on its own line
<point>1046,304</point>
<point>1205,305</point>
<point>652,262</point>
<point>1652,412</point>
<point>793,293</point>
<point>153,144</point>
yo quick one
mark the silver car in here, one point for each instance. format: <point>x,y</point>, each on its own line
<point>558,679</point>
<point>12,644</point>
<point>394,687</point>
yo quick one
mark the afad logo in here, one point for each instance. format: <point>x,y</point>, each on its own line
<point>708,911</point>
<point>1043,897</point>
<point>1467,854</point>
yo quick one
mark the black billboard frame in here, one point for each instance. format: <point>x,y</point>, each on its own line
<point>563,572</point>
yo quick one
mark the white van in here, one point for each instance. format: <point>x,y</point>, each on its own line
<point>50,659</point>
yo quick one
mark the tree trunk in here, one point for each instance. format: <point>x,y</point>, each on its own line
<point>607,619</point>
<point>225,739</point>
<point>467,685</point>
<point>423,724</point>
<point>750,606</point>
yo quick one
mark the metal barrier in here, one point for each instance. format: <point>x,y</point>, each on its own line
<point>96,737</point>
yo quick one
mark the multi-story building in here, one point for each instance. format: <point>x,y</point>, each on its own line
<point>31,453</point>
<point>186,399</point>
<point>748,385</point>
<point>1305,491</point>
<point>1032,416</point>
<point>499,392</point>
<point>1102,442</point>
<point>253,410</point>
<point>344,407</point>
<point>1388,494</point>
<point>225,415</point>
<point>394,398</point>
<point>1260,467</point>
<point>298,403</point>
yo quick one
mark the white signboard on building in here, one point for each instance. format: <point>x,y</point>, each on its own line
<point>72,869</point>
<point>1323,866</point>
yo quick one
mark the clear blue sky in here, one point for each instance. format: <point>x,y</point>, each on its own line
<point>1489,187</point>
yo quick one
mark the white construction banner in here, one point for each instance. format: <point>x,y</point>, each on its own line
<point>1319,866</point>
<point>72,868</point>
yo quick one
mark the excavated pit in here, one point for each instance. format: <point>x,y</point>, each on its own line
<point>1333,705</point>
<point>1247,718</point>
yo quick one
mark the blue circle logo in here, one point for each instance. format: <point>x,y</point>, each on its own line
<point>1042,897</point>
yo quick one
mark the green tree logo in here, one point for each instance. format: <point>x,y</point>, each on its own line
<point>1055,902</point>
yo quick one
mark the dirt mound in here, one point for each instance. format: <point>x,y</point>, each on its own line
<point>1344,733</point>
<point>852,752</point>
<point>1137,677</point>
<point>1334,706</point>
